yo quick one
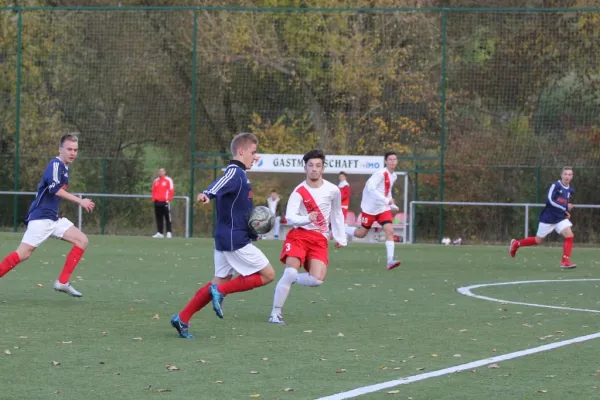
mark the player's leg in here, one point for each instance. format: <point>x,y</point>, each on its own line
<point>254,271</point>
<point>390,245</point>
<point>542,232</point>
<point>277,227</point>
<point>167,214</point>
<point>564,228</point>
<point>223,273</point>
<point>37,232</point>
<point>293,255</point>
<point>69,233</point>
<point>366,221</point>
<point>317,256</point>
<point>158,214</point>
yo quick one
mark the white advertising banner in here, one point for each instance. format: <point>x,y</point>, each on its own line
<point>333,164</point>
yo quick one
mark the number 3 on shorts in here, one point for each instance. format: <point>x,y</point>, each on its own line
<point>288,246</point>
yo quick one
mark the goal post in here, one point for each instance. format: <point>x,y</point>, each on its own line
<point>102,208</point>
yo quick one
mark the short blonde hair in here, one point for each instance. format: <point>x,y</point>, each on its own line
<point>242,141</point>
<point>567,168</point>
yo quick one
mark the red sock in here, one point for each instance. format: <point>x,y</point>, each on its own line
<point>71,262</point>
<point>241,284</point>
<point>530,241</point>
<point>567,247</point>
<point>200,299</point>
<point>9,263</point>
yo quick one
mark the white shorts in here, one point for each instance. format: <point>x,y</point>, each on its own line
<point>39,230</point>
<point>545,229</point>
<point>245,261</point>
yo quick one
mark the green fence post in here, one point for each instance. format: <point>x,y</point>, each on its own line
<point>193,118</point>
<point>443,120</point>
<point>214,209</point>
<point>103,218</point>
<point>18,117</point>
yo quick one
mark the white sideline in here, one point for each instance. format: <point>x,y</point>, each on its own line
<point>475,364</point>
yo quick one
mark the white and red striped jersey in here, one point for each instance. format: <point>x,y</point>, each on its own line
<point>378,192</point>
<point>326,201</point>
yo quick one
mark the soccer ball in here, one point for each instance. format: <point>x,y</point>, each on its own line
<point>446,241</point>
<point>261,220</point>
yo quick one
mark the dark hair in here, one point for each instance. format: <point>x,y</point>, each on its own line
<point>273,191</point>
<point>314,154</point>
<point>242,140</point>
<point>389,153</point>
<point>342,173</point>
<point>70,137</point>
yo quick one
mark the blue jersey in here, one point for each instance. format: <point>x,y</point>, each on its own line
<point>45,205</point>
<point>234,203</point>
<point>557,203</point>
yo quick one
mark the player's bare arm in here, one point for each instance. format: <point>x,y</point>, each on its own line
<point>87,204</point>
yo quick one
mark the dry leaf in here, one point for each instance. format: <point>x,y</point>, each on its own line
<point>131,308</point>
<point>493,350</point>
<point>393,392</point>
<point>218,381</point>
<point>54,363</point>
<point>542,391</point>
<point>22,337</point>
<point>396,368</point>
<point>172,367</point>
<point>322,359</point>
<point>420,369</point>
<point>457,356</point>
<point>156,316</point>
<point>340,371</point>
<point>340,334</point>
<point>201,361</point>
<point>434,355</point>
<point>255,396</point>
<point>463,330</point>
<point>137,338</point>
<point>411,357</point>
<point>40,285</point>
<point>383,368</point>
<point>288,390</point>
<point>307,331</point>
<point>527,325</point>
<point>254,372</point>
<point>7,352</point>
<point>265,358</point>
<point>161,390</point>
<point>493,366</point>
<point>351,350</point>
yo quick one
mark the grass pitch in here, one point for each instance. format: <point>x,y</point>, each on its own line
<point>365,325</point>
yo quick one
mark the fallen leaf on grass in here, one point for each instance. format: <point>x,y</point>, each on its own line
<point>351,350</point>
<point>288,390</point>
<point>55,363</point>
<point>255,396</point>
<point>527,325</point>
<point>162,390</point>
<point>254,372</point>
<point>137,338</point>
<point>457,356</point>
<point>421,369</point>
<point>434,355</point>
<point>463,330</point>
<point>340,371</point>
<point>265,358</point>
<point>493,366</point>
<point>340,334</point>
<point>40,285</point>
<point>156,316</point>
<point>307,331</point>
<point>65,342</point>
<point>7,352</point>
<point>201,361</point>
<point>172,367</point>
<point>22,337</point>
<point>411,357</point>
<point>542,391</point>
<point>219,382</point>
<point>393,392</point>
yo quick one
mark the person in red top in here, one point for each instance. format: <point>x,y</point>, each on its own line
<point>163,191</point>
<point>345,190</point>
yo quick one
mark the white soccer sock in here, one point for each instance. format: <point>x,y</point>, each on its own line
<point>350,230</point>
<point>282,290</point>
<point>389,246</point>
<point>308,280</point>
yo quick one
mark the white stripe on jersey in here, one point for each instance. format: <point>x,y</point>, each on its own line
<point>223,181</point>
<point>55,172</point>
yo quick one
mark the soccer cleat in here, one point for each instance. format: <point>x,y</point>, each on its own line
<point>514,246</point>
<point>66,288</point>
<point>169,235</point>
<point>158,235</point>
<point>393,264</point>
<point>217,300</point>
<point>182,328</point>
<point>567,264</point>
<point>276,319</point>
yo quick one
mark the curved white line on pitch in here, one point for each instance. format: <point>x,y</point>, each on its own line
<point>466,290</point>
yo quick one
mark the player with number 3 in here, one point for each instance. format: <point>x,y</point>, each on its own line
<point>312,207</point>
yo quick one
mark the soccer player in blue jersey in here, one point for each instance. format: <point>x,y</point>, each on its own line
<point>554,217</point>
<point>234,251</point>
<point>43,221</point>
